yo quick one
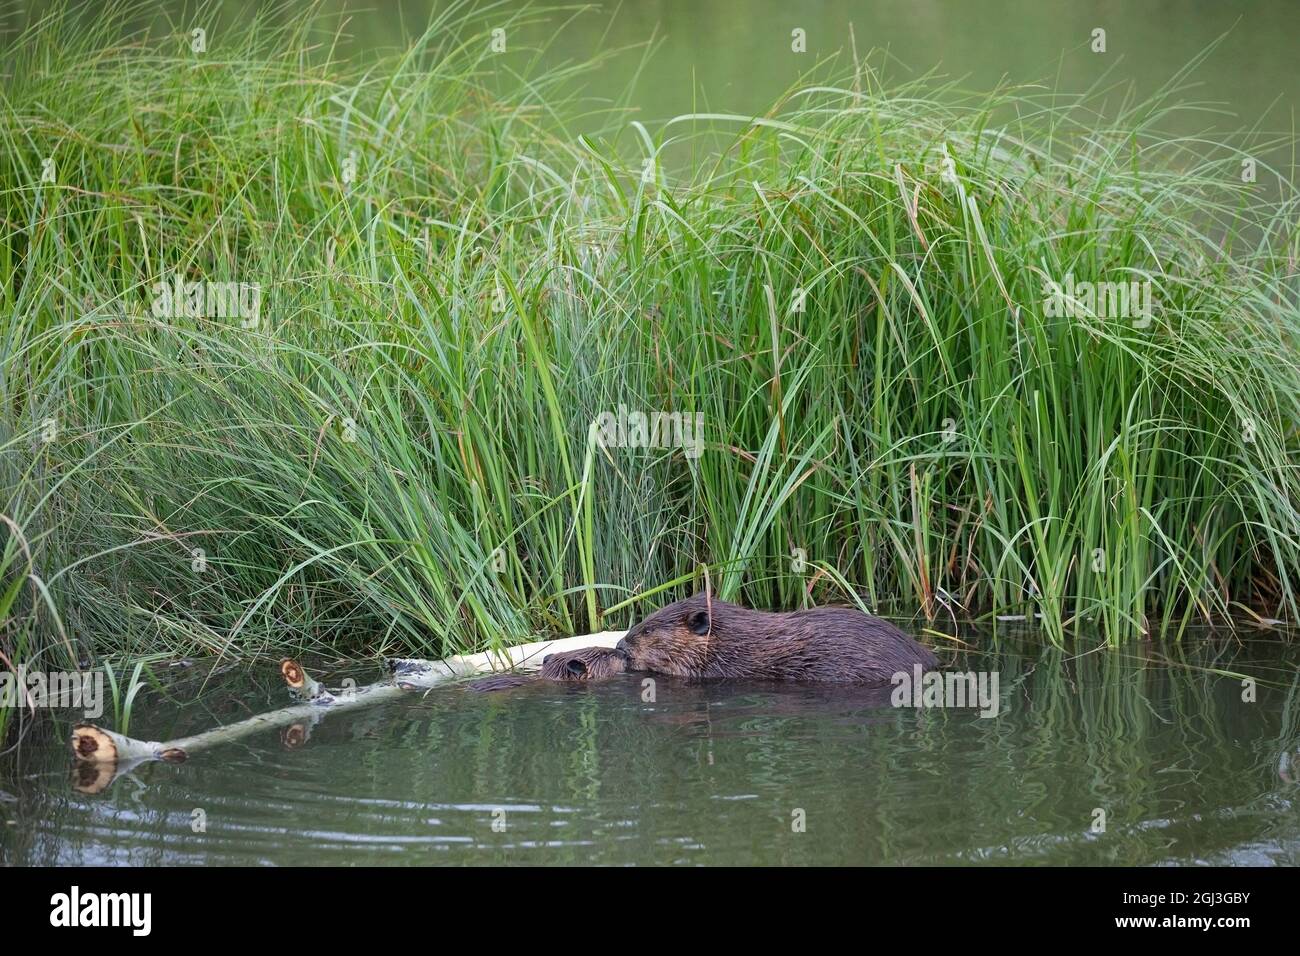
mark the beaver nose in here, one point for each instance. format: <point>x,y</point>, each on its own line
<point>622,646</point>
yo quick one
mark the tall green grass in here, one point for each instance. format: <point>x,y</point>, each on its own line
<point>400,455</point>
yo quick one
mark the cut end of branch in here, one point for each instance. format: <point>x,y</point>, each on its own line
<point>293,673</point>
<point>301,684</point>
<point>92,745</point>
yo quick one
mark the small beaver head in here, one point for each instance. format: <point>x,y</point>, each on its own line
<point>674,639</point>
<point>585,664</point>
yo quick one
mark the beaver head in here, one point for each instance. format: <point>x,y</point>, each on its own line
<point>675,639</point>
<point>585,664</point>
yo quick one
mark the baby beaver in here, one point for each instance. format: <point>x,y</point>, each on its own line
<point>580,666</point>
<point>707,638</point>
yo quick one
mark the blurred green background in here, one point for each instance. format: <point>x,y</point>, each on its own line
<point>736,55</point>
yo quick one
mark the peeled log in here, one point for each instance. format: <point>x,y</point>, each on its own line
<point>98,750</point>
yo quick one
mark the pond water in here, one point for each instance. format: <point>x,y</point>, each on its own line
<point>737,56</point>
<point>1159,740</point>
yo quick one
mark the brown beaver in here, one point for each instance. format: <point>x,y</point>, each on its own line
<point>584,664</point>
<point>707,638</point>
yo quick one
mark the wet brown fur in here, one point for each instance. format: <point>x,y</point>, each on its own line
<point>584,664</point>
<point>710,639</point>
<point>567,667</point>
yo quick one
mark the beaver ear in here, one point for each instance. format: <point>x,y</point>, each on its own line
<point>577,667</point>
<point>698,622</point>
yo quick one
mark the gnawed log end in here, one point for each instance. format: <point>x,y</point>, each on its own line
<point>91,744</point>
<point>293,673</point>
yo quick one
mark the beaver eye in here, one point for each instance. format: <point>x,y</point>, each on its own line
<point>577,668</point>
<point>698,622</point>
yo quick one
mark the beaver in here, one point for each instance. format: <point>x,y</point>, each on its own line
<point>580,666</point>
<point>703,637</point>
<point>500,682</point>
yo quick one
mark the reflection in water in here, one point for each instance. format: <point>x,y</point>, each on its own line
<point>1160,745</point>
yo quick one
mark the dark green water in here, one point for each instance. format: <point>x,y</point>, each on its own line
<point>1185,770</point>
<point>737,56</point>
